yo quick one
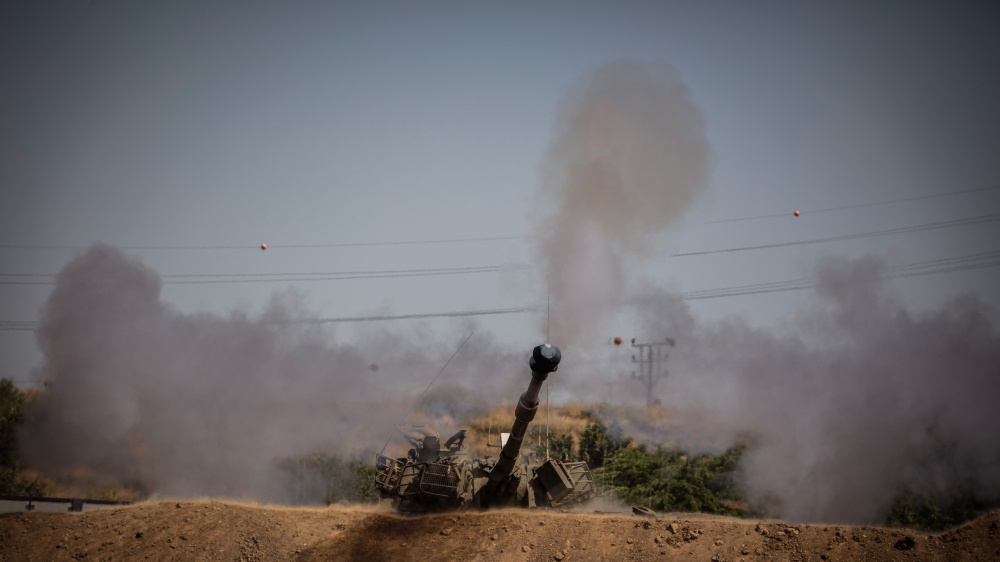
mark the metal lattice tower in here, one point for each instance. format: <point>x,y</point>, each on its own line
<point>652,366</point>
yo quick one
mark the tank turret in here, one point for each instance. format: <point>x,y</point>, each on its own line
<point>428,480</point>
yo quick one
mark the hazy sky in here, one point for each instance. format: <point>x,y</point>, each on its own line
<point>212,125</point>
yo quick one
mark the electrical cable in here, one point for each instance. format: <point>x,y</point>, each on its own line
<point>860,205</point>
<point>475,239</point>
<point>459,314</point>
<point>270,246</point>
<point>929,267</point>
<point>215,278</point>
<point>902,230</point>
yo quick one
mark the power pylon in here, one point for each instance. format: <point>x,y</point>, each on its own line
<point>653,367</point>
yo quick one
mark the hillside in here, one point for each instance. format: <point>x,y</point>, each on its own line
<point>211,530</point>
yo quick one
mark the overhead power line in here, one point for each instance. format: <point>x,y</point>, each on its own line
<point>477,239</point>
<point>269,246</point>
<point>460,314</point>
<point>400,242</point>
<point>214,278</point>
<point>929,267</point>
<point>474,239</point>
<point>860,205</point>
<point>916,228</point>
<point>29,325</point>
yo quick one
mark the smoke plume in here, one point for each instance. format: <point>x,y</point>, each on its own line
<point>199,404</point>
<point>628,157</point>
<point>856,400</point>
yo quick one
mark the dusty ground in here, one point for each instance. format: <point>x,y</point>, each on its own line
<point>229,531</point>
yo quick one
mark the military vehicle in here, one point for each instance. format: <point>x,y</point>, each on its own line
<point>433,477</point>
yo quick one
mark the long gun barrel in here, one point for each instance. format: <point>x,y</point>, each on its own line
<point>544,359</point>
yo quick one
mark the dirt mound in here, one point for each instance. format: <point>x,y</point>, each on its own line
<point>229,531</point>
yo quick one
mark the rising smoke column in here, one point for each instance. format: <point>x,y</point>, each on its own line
<point>628,157</point>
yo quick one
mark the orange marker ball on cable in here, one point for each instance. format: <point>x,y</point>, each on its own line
<point>796,213</point>
<point>264,246</point>
<point>618,341</point>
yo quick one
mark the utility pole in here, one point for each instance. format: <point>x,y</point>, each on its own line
<point>650,365</point>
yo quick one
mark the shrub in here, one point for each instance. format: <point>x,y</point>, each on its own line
<point>669,480</point>
<point>14,481</point>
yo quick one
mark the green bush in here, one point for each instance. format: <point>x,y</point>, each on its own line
<point>561,446</point>
<point>13,412</point>
<point>325,478</point>
<point>933,513</point>
<point>669,480</point>
<point>596,445</point>
<point>364,482</point>
<point>14,404</point>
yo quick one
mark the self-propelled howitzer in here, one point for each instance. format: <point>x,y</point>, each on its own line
<point>432,478</point>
